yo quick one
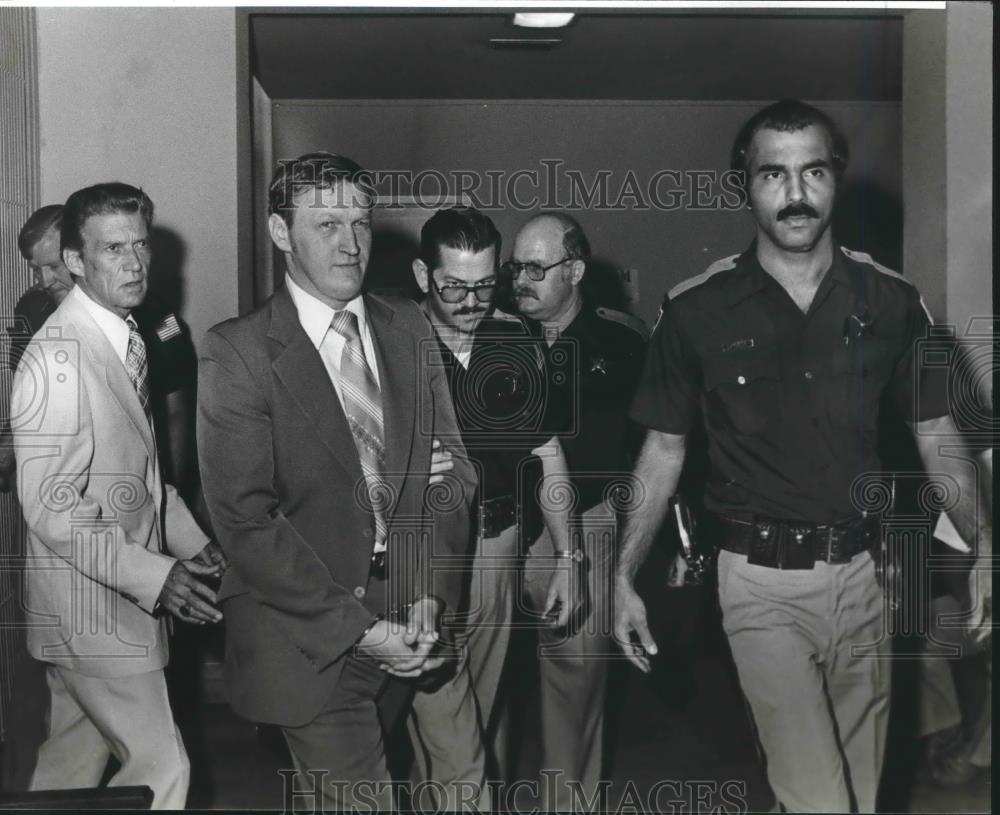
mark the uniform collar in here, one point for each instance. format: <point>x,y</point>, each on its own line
<point>751,278</point>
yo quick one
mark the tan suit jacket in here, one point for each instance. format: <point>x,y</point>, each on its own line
<point>103,529</point>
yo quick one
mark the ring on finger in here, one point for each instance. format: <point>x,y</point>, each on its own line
<point>185,609</point>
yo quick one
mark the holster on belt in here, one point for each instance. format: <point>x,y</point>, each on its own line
<point>496,515</point>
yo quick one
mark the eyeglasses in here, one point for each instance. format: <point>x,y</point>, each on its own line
<point>534,271</point>
<point>456,293</point>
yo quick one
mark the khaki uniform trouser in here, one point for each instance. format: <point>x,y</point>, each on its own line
<point>812,653</point>
<point>450,727</point>
<point>573,666</point>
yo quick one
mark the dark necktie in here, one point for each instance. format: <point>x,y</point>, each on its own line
<point>363,408</point>
<point>136,365</point>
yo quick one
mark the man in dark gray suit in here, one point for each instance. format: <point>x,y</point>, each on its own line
<point>316,419</point>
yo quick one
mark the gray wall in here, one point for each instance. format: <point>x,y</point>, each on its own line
<point>149,97</point>
<point>643,137</point>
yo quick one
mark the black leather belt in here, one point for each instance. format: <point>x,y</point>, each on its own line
<point>377,569</point>
<point>782,544</point>
<point>496,515</point>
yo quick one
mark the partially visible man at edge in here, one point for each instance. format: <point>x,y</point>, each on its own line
<point>111,546</point>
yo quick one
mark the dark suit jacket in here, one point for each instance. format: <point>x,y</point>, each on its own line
<point>285,490</point>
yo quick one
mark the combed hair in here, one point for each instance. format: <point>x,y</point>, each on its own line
<point>788,116</point>
<point>39,222</point>
<point>101,199</point>
<point>462,228</point>
<point>313,171</point>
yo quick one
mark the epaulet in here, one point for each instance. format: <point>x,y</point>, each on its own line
<point>723,265</point>
<point>503,315</point>
<point>868,260</point>
<point>625,319</point>
<point>864,257</point>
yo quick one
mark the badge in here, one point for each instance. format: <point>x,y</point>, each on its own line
<point>598,365</point>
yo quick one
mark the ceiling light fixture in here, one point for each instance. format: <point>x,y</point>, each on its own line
<point>542,19</point>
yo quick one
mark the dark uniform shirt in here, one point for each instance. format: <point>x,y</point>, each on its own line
<point>499,403</point>
<point>790,401</point>
<point>594,367</point>
<point>32,310</point>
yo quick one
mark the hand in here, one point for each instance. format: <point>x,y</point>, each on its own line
<point>422,624</point>
<point>386,642</point>
<point>981,599</point>
<point>630,615</point>
<point>213,556</point>
<point>440,462</point>
<point>187,597</point>
<point>563,596</point>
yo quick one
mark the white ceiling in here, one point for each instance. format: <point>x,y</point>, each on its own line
<point>600,56</point>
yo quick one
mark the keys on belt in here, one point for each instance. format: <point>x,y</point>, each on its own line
<point>780,544</point>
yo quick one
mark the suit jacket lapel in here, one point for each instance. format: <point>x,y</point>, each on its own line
<point>399,375</point>
<point>97,346</point>
<point>300,368</point>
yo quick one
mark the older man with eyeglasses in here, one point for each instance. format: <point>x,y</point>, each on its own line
<point>593,356</point>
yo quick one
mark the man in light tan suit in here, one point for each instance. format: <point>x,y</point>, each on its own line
<point>101,521</point>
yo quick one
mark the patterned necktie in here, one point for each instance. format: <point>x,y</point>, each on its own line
<point>363,408</point>
<point>136,365</point>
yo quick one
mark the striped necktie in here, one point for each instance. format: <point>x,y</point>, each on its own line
<point>363,408</point>
<point>136,365</point>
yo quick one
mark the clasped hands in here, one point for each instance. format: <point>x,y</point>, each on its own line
<point>406,649</point>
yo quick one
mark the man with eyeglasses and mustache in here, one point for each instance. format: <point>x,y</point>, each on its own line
<point>594,356</point>
<point>786,353</point>
<point>496,375</point>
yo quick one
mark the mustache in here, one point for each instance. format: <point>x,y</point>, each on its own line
<point>469,310</point>
<point>794,210</point>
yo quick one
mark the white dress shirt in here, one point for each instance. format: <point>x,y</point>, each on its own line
<point>112,326</point>
<point>315,317</point>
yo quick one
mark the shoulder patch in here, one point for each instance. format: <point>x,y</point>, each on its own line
<point>637,324</point>
<point>868,260</point>
<point>722,265</point>
<point>168,328</point>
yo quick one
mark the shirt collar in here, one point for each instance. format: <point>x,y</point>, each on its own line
<point>112,326</point>
<point>751,277</point>
<point>316,316</point>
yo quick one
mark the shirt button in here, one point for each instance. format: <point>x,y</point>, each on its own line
<point>809,374</point>
<point>741,379</point>
<point>359,592</point>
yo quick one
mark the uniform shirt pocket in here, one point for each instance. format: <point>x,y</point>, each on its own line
<point>741,390</point>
